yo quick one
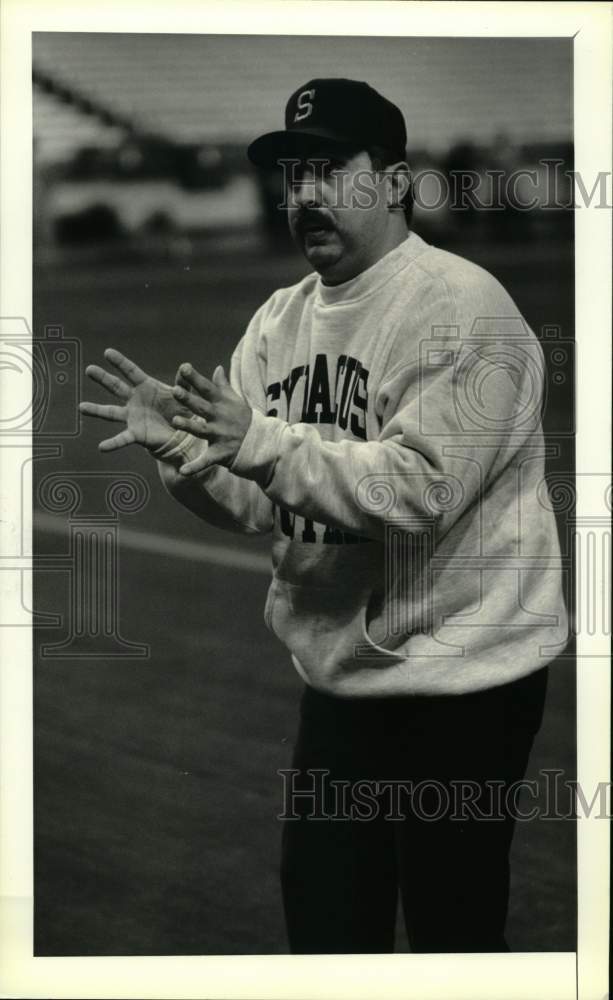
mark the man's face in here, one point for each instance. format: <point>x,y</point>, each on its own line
<point>337,213</point>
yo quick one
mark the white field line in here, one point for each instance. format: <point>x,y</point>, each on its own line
<point>169,545</point>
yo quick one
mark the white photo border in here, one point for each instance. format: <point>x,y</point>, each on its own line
<point>558,976</point>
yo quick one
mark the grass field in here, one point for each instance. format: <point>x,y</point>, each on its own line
<point>156,786</point>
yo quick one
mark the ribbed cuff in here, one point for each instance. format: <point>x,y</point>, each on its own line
<point>259,451</point>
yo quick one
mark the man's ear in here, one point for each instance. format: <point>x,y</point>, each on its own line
<point>399,184</point>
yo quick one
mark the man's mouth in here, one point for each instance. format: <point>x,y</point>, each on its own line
<point>315,227</point>
<point>315,233</point>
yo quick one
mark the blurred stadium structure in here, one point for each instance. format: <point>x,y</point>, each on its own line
<point>139,140</point>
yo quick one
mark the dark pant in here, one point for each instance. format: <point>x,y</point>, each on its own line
<point>356,842</point>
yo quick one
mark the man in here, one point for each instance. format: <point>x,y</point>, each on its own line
<point>382,420</point>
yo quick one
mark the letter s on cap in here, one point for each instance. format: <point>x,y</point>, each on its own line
<point>304,104</point>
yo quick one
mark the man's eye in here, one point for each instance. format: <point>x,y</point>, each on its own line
<point>309,174</point>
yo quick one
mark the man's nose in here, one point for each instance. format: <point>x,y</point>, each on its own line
<point>306,189</point>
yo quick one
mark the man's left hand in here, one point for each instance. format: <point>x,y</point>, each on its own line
<point>220,416</point>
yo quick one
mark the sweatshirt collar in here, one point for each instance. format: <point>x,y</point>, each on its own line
<point>373,277</point>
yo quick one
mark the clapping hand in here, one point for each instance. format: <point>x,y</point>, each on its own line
<point>218,415</point>
<point>144,405</point>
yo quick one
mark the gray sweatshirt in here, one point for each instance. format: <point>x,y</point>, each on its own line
<point>396,454</point>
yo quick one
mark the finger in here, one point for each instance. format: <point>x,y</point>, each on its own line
<point>104,412</point>
<point>120,440</point>
<point>181,380</point>
<point>219,376</point>
<point>197,464</point>
<point>183,383</point>
<point>132,372</point>
<point>203,385</point>
<point>110,382</point>
<point>195,425</point>
<point>192,402</point>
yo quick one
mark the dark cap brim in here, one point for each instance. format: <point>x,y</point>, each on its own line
<point>274,146</point>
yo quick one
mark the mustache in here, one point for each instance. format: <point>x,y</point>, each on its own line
<point>311,218</point>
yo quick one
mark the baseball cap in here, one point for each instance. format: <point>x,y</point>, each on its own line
<point>333,115</point>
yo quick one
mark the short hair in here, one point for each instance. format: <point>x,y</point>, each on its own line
<point>382,158</point>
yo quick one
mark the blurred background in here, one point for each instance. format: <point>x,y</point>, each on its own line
<point>156,773</point>
<point>140,139</point>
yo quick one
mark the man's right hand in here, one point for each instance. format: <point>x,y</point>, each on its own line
<point>145,405</point>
